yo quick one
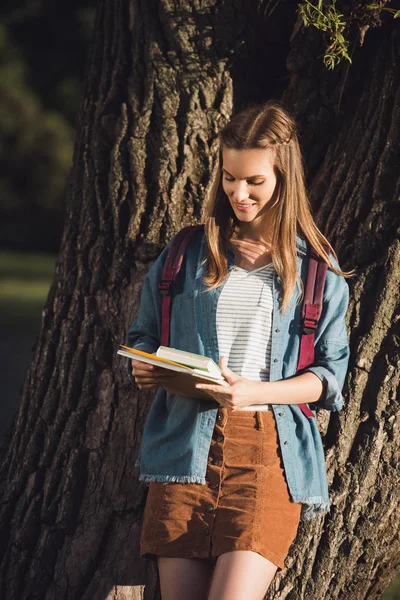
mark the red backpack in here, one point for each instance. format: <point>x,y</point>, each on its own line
<point>311,309</point>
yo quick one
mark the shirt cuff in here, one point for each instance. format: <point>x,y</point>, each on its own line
<point>332,397</point>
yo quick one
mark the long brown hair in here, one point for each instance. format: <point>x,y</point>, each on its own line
<point>265,126</point>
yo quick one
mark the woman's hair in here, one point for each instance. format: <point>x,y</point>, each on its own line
<point>265,126</point>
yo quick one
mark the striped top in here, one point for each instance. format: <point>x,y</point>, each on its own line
<point>244,321</point>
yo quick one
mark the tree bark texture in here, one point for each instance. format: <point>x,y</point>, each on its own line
<point>162,79</point>
<point>354,182</point>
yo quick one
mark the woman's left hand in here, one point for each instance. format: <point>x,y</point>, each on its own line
<point>242,391</point>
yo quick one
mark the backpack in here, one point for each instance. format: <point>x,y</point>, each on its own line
<point>311,308</point>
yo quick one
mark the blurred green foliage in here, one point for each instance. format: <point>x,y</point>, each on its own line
<point>42,56</point>
<point>393,591</point>
<point>35,144</point>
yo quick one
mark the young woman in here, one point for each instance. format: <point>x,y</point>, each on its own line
<point>228,487</point>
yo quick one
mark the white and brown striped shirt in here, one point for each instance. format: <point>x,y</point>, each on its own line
<point>244,321</point>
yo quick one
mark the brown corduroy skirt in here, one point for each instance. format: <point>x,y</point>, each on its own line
<point>245,504</point>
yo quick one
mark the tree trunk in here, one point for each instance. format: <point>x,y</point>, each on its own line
<point>351,124</point>
<point>162,79</point>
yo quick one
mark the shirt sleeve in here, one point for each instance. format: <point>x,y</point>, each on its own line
<point>331,343</point>
<point>145,331</point>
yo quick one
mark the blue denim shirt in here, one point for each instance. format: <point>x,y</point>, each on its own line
<point>178,430</point>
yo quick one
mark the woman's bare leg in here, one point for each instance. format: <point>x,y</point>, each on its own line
<point>185,578</point>
<point>241,575</point>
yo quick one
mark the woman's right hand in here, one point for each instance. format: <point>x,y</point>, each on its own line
<point>148,376</point>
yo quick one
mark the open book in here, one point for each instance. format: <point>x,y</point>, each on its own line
<point>187,375</point>
<point>190,369</point>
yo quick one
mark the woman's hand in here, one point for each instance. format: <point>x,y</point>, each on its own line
<point>148,376</point>
<point>242,391</point>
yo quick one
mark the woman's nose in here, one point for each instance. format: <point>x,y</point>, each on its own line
<point>239,191</point>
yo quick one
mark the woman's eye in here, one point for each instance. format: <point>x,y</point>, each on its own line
<point>249,182</point>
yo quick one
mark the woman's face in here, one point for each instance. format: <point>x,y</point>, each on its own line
<point>249,181</point>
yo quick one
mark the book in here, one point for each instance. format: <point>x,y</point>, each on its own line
<point>186,376</point>
<point>190,369</point>
<point>200,364</point>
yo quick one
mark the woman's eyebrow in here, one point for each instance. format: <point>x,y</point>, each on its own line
<point>252,177</point>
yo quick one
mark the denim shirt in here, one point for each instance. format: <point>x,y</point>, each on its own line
<point>178,430</point>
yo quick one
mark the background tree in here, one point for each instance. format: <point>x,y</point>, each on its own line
<point>162,79</point>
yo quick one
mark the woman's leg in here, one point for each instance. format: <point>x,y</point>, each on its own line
<point>185,578</point>
<point>241,575</point>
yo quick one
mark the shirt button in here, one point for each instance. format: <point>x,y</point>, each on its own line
<point>219,438</point>
<point>217,462</point>
<point>277,330</point>
<point>210,508</point>
<point>219,417</point>
<point>286,443</point>
<point>275,360</point>
<point>280,299</point>
<point>207,531</point>
<point>214,485</point>
<point>280,414</point>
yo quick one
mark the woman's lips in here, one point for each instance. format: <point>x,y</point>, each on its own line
<point>244,207</point>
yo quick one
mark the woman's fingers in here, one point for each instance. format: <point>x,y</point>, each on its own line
<point>145,370</point>
<point>149,380</point>
<point>152,379</point>
<point>145,383</point>
<point>150,376</point>
<point>154,376</point>
<point>146,386</point>
<point>141,367</point>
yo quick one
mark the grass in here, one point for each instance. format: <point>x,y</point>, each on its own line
<point>25,280</point>
<point>23,291</point>
<point>26,265</point>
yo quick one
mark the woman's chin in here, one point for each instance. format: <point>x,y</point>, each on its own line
<point>246,217</point>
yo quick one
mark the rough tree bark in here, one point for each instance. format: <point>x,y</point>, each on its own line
<point>162,79</point>
<point>351,137</point>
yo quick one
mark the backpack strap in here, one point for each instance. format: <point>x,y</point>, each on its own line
<point>311,312</point>
<point>172,266</point>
